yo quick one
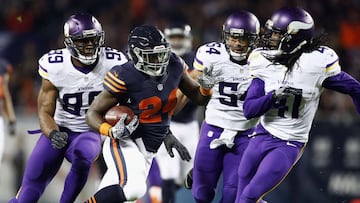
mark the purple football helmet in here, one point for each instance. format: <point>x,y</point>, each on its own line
<point>294,28</point>
<point>244,26</point>
<point>83,37</point>
<point>149,50</point>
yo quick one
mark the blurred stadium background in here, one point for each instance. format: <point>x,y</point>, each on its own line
<point>329,170</point>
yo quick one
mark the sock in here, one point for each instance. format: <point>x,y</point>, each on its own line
<point>168,190</point>
<point>109,194</point>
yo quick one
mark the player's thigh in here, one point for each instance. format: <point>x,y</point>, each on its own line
<point>232,160</point>
<point>169,167</point>
<point>40,166</point>
<point>86,145</point>
<point>207,159</point>
<point>128,165</point>
<point>188,134</point>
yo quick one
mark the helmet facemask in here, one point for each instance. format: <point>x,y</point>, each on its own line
<point>240,34</point>
<point>87,47</point>
<point>238,43</point>
<point>152,61</point>
<point>83,37</point>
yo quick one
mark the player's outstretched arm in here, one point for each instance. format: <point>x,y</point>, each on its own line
<point>182,100</point>
<point>346,84</point>
<point>257,102</point>
<point>194,91</point>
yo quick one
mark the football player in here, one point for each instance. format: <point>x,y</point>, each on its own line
<point>7,108</point>
<point>183,124</point>
<point>224,133</point>
<point>290,73</point>
<point>147,84</point>
<point>71,79</point>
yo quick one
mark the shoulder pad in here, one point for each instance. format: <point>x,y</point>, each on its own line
<point>208,54</point>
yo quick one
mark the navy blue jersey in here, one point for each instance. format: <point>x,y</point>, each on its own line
<point>153,100</point>
<point>187,114</point>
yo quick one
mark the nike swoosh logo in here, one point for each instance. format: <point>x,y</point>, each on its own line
<point>290,144</point>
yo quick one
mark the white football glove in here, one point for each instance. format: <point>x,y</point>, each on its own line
<point>281,93</point>
<point>120,129</point>
<point>208,79</point>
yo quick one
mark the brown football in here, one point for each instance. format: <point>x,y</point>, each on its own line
<point>113,115</point>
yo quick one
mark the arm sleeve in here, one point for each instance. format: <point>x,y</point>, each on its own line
<point>114,84</point>
<point>346,84</point>
<point>257,102</point>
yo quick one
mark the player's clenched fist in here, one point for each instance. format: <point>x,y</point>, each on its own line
<point>58,139</point>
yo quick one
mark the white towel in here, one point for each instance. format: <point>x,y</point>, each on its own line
<point>226,138</point>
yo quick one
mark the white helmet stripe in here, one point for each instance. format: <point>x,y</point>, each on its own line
<point>295,26</point>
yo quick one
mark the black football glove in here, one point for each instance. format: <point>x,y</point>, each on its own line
<point>58,139</point>
<point>189,180</point>
<point>171,142</point>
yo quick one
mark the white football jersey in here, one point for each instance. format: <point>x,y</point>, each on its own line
<point>225,108</point>
<point>292,119</point>
<point>76,89</point>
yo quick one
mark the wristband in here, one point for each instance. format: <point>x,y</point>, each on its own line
<point>104,129</point>
<point>205,92</point>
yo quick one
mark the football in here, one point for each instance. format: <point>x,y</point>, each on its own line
<point>114,114</point>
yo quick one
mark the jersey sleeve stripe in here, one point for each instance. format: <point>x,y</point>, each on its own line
<point>114,84</point>
<point>198,64</point>
<point>332,66</point>
<point>110,74</point>
<point>108,85</point>
<point>43,73</point>
<point>42,68</point>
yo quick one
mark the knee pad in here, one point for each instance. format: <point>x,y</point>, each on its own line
<point>203,194</point>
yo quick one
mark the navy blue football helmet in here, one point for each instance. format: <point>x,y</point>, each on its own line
<point>288,30</point>
<point>149,50</point>
<point>179,37</point>
<point>83,37</point>
<point>243,26</point>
